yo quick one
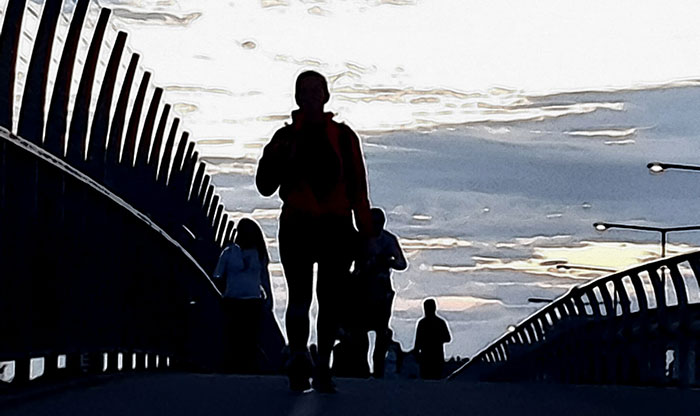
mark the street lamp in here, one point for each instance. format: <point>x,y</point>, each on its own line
<point>540,300</point>
<point>661,167</point>
<point>566,266</point>
<point>604,226</point>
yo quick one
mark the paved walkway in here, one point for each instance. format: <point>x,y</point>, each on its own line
<point>195,394</point>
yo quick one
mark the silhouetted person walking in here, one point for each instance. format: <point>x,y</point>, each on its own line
<point>318,167</point>
<point>243,266</point>
<point>374,263</point>
<point>431,334</point>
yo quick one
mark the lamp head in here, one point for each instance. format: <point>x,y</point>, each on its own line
<point>552,262</point>
<point>656,168</point>
<point>600,226</point>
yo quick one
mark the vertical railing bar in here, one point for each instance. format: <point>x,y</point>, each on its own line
<point>58,110</point>
<point>9,46</point>
<point>31,116</point>
<point>77,135</point>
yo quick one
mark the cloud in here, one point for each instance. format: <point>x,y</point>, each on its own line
<point>248,44</point>
<point>197,89</point>
<point>436,243</point>
<point>613,133</point>
<point>318,11</point>
<point>396,2</point>
<point>158,18</point>
<point>273,3</point>
<point>184,108</point>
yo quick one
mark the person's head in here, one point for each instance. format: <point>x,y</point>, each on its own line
<point>429,307</point>
<point>378,220</point>
<point>311,91</point>
<point>249,235</point>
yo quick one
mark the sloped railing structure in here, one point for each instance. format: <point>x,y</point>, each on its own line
<point>640,327</point>
<point>108,223</point>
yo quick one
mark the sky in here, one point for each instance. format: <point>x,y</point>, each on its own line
<point>398,64</point>
<point>495,132</point>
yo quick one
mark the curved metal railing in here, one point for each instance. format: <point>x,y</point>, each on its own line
<point>98,280</point>
<point>108,221</point>
<point>129,142</point>
<point>637,326</point>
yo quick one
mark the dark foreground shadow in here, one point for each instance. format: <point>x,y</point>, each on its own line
<point>190,394</point>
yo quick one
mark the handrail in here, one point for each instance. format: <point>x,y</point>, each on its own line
<point>574,297</point>
<point>138,233</point>
<point>65,167</point>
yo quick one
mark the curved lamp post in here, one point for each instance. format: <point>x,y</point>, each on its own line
<point>604,226</point>
<point>567,266</point>
<point>661,167</point>
<point>540,300</point>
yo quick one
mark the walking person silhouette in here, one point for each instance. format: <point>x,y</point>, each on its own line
<point>318,166</point>
<point>373,267</point>
<point>243,265</point>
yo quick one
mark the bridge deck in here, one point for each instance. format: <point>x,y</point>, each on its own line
<point>195,394</point>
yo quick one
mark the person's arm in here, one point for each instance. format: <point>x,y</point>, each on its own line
<point>360,202</point>
<point>221,265</point>
<point>418,347</point>
<point>271,165</point>
<point>397,258</point>
<point>446,337</point>
<point>265,283</point>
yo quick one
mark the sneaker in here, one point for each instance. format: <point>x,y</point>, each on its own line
<point>299,372</point>
<point>299,384</point>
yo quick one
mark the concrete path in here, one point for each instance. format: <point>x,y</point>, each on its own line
<point>195,394</point>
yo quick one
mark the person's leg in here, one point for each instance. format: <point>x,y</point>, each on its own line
<point>360,350</point>
<point>329,308</point>
<point>382,338</point>
<point>250,312</point>
<point>333,271</point>
<point>298,272</point>
<point>229,335</point>
<point>297,262</point>
<point>239,335</point>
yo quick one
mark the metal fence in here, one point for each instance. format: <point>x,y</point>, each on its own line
<point>640,326</point>
<point>108,223</point>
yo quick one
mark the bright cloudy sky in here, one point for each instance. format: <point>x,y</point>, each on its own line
<point>399,63</point>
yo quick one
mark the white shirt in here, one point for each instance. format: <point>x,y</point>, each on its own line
<point>242,270</point>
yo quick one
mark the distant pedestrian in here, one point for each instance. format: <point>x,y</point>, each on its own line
<point>243,267</point>
<point>374,263</point>
<point>431,335</point>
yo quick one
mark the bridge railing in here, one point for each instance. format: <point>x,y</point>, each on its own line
<point>123,136</point>
<point>94,277</point>
<point>109,224</point>
<point>638,326</point>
